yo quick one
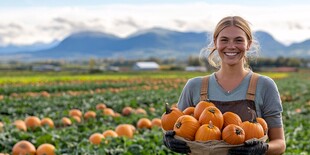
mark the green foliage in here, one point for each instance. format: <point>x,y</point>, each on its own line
<point>153,90</point>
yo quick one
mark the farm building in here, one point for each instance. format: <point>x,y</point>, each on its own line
<point>139,66</point>
<point>196,69</point>
<point>42,68</point>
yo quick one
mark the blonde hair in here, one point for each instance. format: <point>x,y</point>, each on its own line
<point>210,51</point>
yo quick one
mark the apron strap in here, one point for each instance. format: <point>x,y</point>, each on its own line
<point>204,88</point>
<point>250,93</point>
<point>252,87</point>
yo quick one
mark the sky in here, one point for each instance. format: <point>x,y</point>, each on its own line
<point>25,22</point>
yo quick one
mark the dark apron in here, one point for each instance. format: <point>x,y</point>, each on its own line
<point>240,107</point>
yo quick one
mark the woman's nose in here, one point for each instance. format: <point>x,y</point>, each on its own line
<point>231,45</point>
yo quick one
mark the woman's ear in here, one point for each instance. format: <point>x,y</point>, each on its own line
<point>214,42</point>
<point>249,45</point>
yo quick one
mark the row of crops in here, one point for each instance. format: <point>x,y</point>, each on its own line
<point>54,95</point>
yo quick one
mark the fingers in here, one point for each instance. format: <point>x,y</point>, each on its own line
<point>252,142</point>
<point>178,144</point>
<point>253,147</point>
<point>170,133</point>
<point>164,141</point>
<point>239,151</point>
<point>181,150</point>
<point>175,145</point>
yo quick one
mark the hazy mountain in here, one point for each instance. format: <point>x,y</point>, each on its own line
<point>300,49</point>
<point>32,47</point>
<point>269,46</point>
<point>154,42</point>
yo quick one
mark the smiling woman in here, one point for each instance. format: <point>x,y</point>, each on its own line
<point>234,88</point>
<point>232,45</point>
<point>231,41</point>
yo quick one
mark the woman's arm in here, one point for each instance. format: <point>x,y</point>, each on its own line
<point>190,93</point>
<point>271,112</point>
<point>277,141</point>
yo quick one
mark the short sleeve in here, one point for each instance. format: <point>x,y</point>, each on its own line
<point>271,108</point>
<point>190,93</point>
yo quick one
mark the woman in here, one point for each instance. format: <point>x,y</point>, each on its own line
<point>228,88</point>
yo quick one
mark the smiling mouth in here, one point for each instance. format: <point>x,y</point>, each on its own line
<point>231,53</point>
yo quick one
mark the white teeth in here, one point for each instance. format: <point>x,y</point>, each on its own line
<point>231,54</point>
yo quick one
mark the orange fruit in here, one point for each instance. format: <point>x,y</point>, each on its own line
<point>23,148</point>
<point>75,112</point>
<point>77,119</point>
<point>109,133</point>
<point>152,109</point>
<point>116,114</point>
<point>66,121</point>
<point>46,149</point>
<point>144,123</point>
<point>101,106</point>
<point>21,125</point>
<point>125,130</point>
<point>90,114</point>
<point>96,138</point>
<point>1,126</point>
<point>108,112</point>
<point>47,121</point>
<point>156,122</point>
<point>32,122</point>
<point>140,111</point>
<point>127,111</point>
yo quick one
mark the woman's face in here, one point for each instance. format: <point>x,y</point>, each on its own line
<point>231,44</point>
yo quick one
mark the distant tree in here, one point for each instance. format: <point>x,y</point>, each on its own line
<point>281,61</point>
<point>13,62</point>
<point>262,62</point>
<point>154,59</point>
<point>294,62</point>
<point>304,62</point>
<point>193,61</point>
<point>91,63</point>
<point>169,61</point>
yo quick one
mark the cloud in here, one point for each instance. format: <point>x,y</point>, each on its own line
<point>294,26</point>
<point>45,24</point>
<point>128,21</point>
<point>8,31</point>
<point>180,23</point>
<point>70,25</point>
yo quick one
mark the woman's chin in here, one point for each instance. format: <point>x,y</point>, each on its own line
<point>232,62</point>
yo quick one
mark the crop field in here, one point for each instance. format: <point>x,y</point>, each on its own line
<point>53,95</point>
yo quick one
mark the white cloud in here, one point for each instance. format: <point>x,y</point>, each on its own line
<point>45,24</point>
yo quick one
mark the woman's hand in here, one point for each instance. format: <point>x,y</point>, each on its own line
<point>253,147</point>
<point>175,145</point>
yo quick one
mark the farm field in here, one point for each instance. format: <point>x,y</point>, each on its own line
<point>53,95</point>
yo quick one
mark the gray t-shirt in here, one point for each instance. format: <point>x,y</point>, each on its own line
<point>267,99</point>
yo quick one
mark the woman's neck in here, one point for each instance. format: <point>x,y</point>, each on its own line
<point>230,78</point>
<point>231,72</point>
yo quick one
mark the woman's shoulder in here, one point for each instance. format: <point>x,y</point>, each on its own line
<point>263,79</point>
<point>198,79</point>
<point>266,83</point>
<point>195,80</point>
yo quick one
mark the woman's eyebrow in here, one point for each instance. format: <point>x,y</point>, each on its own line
<point>238,37</point>
<point>223,37</point>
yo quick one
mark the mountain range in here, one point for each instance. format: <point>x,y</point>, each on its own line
<point>155,42</point>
